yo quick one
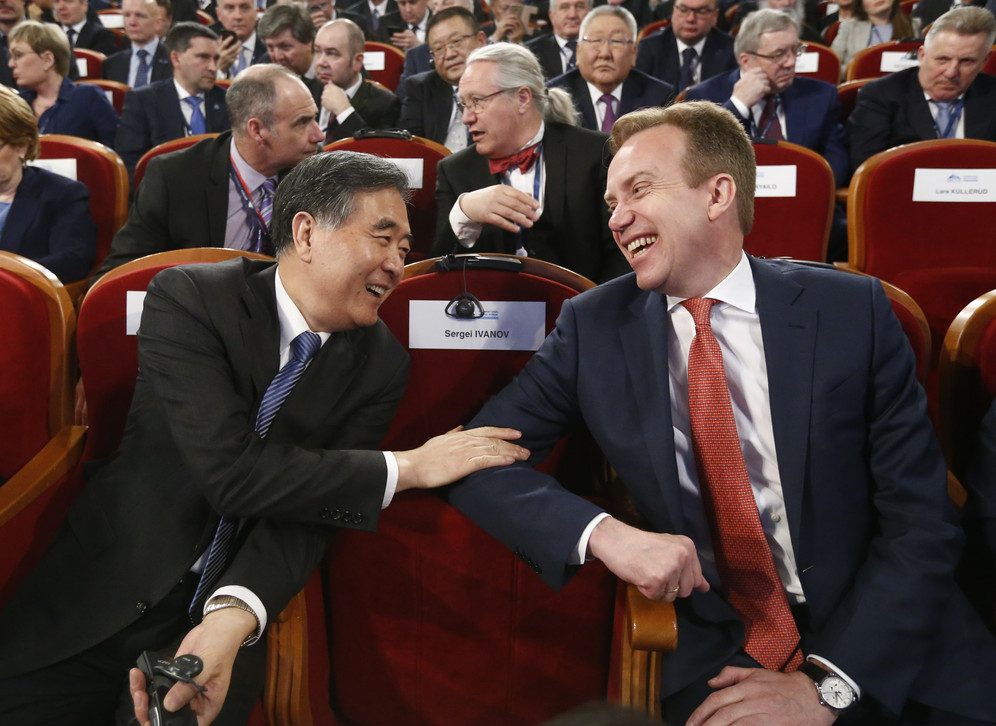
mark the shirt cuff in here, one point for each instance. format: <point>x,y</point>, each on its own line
<point>249,598</point>
<point>392,478</point>
<point>824,662</point>
<point>345,114</point>
<point>580,554</point>
<point>741,108</point>
<point>466,230</point>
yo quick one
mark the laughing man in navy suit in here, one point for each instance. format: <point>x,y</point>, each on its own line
<point>606,56</point>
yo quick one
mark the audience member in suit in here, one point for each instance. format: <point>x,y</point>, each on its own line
<point>350,103</point>
<point>43,216</point>
<point>372,12</point>
<point>419,59</point>
<point>40,57</point>
<point>874,22</point>
<point>208,195</point>
<point>930,10</point>
<point>806,111</point>
<point>84,32</point>
<point>691,49</point>
<point>825,448</point>
<point>11,13</point>
<point>902,107</point>
<point>980,520</point>
<point>144,24</point>
<point>557,51</point>
<point>508,25</point>
<point>200,443</point>
<point>428,108</point>
<point>245,49</point>
<point>289,35</point>
<point>640,9</point>
<point>844,11</point>
<point>180,11</point>
<point>531,183</point>
<point>160,112</point>
<point>605,85</point>
<point>405,28</point>
<point>322,11</point>
<point>804,14</point>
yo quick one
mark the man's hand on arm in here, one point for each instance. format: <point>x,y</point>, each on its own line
<point>758,696</point>
<point>445,459</point>
<point>752,87</point>
<point>502,206</point>
<point>662,566</point>
<point>216,641</point>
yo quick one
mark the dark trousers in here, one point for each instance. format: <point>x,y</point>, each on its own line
<point>91,688</point>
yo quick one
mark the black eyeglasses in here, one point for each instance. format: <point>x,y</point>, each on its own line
<point>441,49</point>
<point>477,103</point>
<point>700,12</point>
<point>780,55</point>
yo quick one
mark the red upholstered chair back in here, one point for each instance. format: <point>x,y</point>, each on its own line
<point>830,32</point>
<point>828,64</point>
<point>102,172</point>
<point>847,94</point>
<point>88,62</point>
<point>651,28</point>
<point>433,622</point>
<point>384,63</point>
<point>990,66</point>
<point>869,62</point>
<point>792,226</point>
<point>915,326</point>
<point>114,90</point>
<point>425,154</point>
<point>164,148</point>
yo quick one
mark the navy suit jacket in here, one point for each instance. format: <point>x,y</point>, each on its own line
<point>873,531</point>
<point>892,110</point>
<point>116,67</point>
<point>49,222</point>
<point>373,108</point>
<point>658,56</point>
<point>547,52</point>
<point>362,9</point>
<point>639,91</point>
<point>427,106</point>
<point>812,116</point>
<point>417,61</point>
<point>80,110</point>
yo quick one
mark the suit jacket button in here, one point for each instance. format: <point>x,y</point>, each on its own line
<point>141,606</point>
<point>325,513</point>
<point>336,515</point>
<point>357,518</point>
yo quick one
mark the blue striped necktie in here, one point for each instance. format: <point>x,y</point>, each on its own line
<point>303,348</point>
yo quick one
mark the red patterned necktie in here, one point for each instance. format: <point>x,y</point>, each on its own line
<point>743,557</point>
<point>769,125</point>
<point>522,159</point>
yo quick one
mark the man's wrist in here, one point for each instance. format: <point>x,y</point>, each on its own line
<point>237,613</point>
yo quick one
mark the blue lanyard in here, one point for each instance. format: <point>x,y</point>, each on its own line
<point>258,233</point>
<point>952,120</point>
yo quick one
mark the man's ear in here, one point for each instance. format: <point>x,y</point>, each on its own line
<point>303,228</point>
<point>254,129</point>
<point>723,195</point>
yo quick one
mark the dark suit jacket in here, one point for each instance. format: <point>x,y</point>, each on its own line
<point>116,67</point>
<point>639,91</point>
<point>362,9</point>
<point>373,108</point>
<point>427,106</point>
<point>417,61</point>
<point>547,52</point>
<point>96,37</point>
<point>207,350</point>
<point>181,202</point>
<point>382,33</point>
<point>49,222</point>
<point>258,50</point>
<point>872,529</point>
<point>812,116</point>
<point>81,110</point>
<point>891,111</point>
<point>658,56</point>
<point>930,10</point>
<point>152,116</point>
<point>573,229</point>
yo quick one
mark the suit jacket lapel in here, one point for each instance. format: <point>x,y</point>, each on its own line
<point>556,163</point>
<point>920,117</point>
<point>442,111</point>
<point>176,125</point>
<point>583,99</point>
<point>217,190</point>
<point>260,328</point>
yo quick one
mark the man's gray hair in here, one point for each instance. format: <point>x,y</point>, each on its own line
<point>287,16</point>
<point>748,40</point>
<point>517,68</point>
<point>253,94</point>
<point>964,21</point>
<point>619,11</point>
<point>325,186</point>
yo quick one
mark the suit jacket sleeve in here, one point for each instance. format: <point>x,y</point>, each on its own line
<point>134,136</point>
<point>869,127</point>
<point>413,104</point>
<point>446,196</point>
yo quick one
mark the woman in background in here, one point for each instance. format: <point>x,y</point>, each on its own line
<point>874,22</point>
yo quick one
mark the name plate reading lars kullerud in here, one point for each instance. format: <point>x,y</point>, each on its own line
<point>775,181</point>
<point>506,325</point>
<point>954,185</point>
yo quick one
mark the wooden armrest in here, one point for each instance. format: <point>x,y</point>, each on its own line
<point>50,464</point>
<point>650,630</point>
<point>650,624</point>
<point>842,194</point>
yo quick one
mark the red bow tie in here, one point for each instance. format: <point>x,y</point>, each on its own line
<point>523,159</point>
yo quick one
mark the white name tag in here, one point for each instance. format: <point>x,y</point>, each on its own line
<point>775,181</point>
<point>112,20</point>
<point>110,96</point>
<point>894,60</point>
<point>832,8</point>
<point>134,302</point>
<point>81,67</point>
<point>504,326</point>
<point>373,60</point>
<point>807,63</point>
<point>954,185</point>
<point>63,167</point>
<point>413,169</point>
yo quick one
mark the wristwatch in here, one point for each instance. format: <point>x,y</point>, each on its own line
<point>834,691</point>
<point>229,601</point>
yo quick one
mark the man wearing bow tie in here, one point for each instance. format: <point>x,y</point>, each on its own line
<point>530,182</point>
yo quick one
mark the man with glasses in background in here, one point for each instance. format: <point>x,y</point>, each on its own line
<point>557,51</point>
<point>691,50</point>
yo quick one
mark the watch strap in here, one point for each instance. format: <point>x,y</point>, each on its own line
<point>219,602</point>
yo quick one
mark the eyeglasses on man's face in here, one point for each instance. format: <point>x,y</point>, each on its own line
<point>441,50</point>
<point>614,43</point>
<point>477,103</point>
<point>779,55</point>
<point>703,12</point>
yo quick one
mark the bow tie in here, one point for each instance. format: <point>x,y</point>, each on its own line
<point>523,159</point>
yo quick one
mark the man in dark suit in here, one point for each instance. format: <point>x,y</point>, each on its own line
<point>81,31</point>
<point>246,48</point>
<point>11,13</point>
<point>160,112</point>
<point>193,198</point>
<point>289,35</point>
<point>372,12</point>
<point>404,28</point>
<point>895,109</point>
<point>206,438</point>
<point>930,10</point>
<point>531,183</point>
<point>428,107</point>
<point>323,11</point>
<point>557,51</point>
<point>767,421</point>
<point>768,98</point>
<point>604,86</point>
<point>147,59</point>
<point>350,103</point>
<point>691,49</point>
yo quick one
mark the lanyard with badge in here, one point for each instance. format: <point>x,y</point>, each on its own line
<point>259,235</point>
<point>520,248</point>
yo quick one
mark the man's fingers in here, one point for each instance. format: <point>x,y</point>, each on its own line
<point>496,432</point>
<point>139,698</point>
<point>179,695</point>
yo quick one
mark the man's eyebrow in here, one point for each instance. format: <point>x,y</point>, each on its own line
<point>385,223</point>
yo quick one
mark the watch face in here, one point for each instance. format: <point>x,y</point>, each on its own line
<point>836,692</point>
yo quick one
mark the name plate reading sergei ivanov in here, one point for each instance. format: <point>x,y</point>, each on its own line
<point>505,325</point>
<point>954,185</point>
